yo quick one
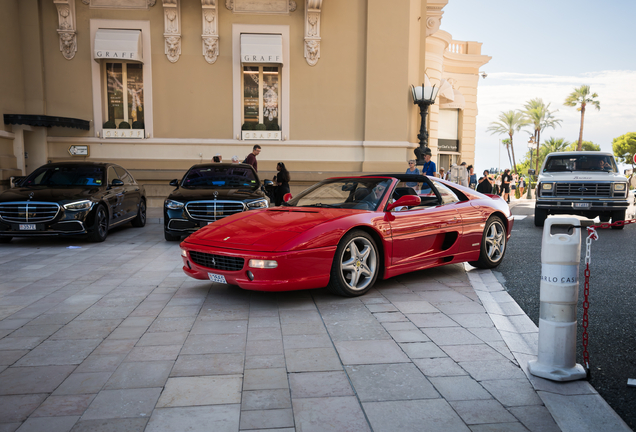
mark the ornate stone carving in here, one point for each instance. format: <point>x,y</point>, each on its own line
<point>312,31</point>
<point>172,29</point>
<point>210,36</point>
<point>434,15</point>
<point>151,3</point>
<point>86,2</point>
<point>66,30</point>
<point>261,6</point>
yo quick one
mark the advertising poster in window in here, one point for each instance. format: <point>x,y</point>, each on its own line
<point>250,94</point>
<point>135,95</point>
<point>115,97</point>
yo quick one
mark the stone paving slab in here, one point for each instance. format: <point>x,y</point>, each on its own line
<point>134,344</point>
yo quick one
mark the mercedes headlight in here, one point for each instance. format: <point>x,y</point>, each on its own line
<point>79,205</point>
<point>619,186</point>
<point>258,204</point>
<point>173,205</point>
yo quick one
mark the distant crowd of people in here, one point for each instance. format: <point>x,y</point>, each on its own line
<point>503,184</point>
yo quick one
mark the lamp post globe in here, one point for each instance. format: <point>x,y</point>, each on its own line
<point>423,96</point>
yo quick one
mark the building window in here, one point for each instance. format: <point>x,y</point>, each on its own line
<point>124,101</point>
<point>261,95</point>
<point>121,76</point>
<point>261,82</point>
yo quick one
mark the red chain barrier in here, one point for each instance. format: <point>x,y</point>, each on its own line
<point>592,235</point>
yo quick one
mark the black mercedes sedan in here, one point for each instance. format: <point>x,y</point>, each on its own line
<point>72,198</point>
<point>209,192</point>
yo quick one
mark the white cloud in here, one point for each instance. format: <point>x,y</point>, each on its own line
<point>503,91</point>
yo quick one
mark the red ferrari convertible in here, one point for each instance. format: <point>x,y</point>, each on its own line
<point>346,232</point>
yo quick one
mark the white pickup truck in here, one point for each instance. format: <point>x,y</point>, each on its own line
<point>585,183</point>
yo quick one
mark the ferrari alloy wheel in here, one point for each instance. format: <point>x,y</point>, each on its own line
<point>100,226</point>
<point>140,219</point>
<point>355,265</point>
<point>493,244</point>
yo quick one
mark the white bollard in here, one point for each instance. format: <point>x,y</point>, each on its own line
<point>560,259</point>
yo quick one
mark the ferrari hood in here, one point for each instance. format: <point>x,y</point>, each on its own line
<point>268,229</point>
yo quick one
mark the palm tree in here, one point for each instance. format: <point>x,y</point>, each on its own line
<point>538,115</point>
<point>555,145</point>
<point>579,98</point>
<point>509,122</point>
<point>507,144</point>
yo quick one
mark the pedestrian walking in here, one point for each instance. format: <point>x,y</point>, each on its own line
<point>506,178</point>
<point>522,185</point>
<point>485,184</point>
<point>282,180</point>
<point>412,169</point>
<point>442,174</point>
<point>472,177</point>
<point>235,159</point>
<point>498,184</point>
<point>217,158</point>
<point>428,168</point>
<point>251,158</point>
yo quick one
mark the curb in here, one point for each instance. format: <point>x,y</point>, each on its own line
<point>575,405</point>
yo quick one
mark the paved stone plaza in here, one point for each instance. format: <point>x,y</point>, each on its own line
<point>115,337</point>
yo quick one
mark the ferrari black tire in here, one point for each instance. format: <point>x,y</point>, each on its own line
<point>99,230</point>
<point>540,216</point>
<point>6,239</point>
<point>140,220</point>
<point>356,265</point>
<point>618,215</point>
<point>493,244</point>
<point>170,237</point>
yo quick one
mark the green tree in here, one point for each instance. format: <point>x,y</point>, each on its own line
<point>508,123</point>
<point>538,116</point>
<point>554,145</point>
<point>507,144</point>
<point>624,147</point>
<point>579,98</point>
<point>587,146</point>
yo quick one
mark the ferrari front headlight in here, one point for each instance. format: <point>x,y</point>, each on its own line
<point>79,205</point>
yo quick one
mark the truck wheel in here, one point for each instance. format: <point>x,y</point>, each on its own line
<point>604,218</point>
<point>539,216</point>
<point>618,216</point>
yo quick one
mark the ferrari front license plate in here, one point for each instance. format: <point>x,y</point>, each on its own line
<point>217,278</point>
<point>581,205</point>
<point>27,227</point>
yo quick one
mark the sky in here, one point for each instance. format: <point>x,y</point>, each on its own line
<point>545,49</point>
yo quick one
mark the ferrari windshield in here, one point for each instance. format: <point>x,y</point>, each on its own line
<point>220,177</point>
<point>580,163</point>
<point>353,193</point>
<point>66,175</point>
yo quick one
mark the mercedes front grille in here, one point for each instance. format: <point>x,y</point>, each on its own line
<point>28,212</point>
<point>213,210</point>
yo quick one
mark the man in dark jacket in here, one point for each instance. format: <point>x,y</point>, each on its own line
<point>251,158</point>
<point>485,183</point>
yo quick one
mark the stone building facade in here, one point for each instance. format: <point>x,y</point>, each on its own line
<point>156,86</point>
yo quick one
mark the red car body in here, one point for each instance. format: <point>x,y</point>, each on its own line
<point>303,240</point>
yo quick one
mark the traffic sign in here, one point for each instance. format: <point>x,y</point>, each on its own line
<point>79,150</point>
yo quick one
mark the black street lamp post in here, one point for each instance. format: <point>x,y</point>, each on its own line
<point>530,147</point>
<point>423,96</point>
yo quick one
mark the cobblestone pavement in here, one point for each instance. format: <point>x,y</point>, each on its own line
<point>114,337</point>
